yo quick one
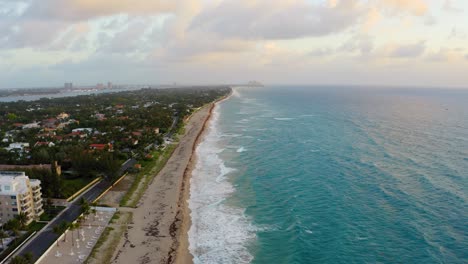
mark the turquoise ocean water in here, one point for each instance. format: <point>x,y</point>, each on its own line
<point>333,175</point>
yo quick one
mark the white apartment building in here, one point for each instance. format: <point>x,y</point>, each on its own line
<point>18,194</point>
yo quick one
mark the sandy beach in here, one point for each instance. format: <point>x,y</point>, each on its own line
<point>158,233</point>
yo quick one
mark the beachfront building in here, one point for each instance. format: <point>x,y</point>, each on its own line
<point>19,194</point>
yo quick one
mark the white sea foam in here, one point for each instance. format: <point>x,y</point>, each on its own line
<point>284,118</point>
<point>219,233</point>
<point>231,135</point>
<point>241,149</point>
<point>243,121</point>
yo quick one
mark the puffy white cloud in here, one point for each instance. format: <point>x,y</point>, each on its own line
<point>274,19</point>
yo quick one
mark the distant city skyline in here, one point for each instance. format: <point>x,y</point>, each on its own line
<point>47,43</point>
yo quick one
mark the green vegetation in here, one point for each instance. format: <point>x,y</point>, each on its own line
<point>21,233</point>
<point>36,226</point>
<point>60,229</point>
<point>70,185</point>
<point>91,136</point>
<point>50,212</point>
<point>149,170</point>
<point>26,259</point>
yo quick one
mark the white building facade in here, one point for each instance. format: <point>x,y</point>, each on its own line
<point>19,194</point>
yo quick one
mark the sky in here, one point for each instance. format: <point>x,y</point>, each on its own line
<point>358,42</point>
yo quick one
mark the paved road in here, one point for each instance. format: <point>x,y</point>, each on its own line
<point>169,133</point>
<point>41,242</point>
<point>127,165</point>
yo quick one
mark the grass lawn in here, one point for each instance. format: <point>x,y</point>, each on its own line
<point>50,213</point>
<point>35,226</point>
<point>72,185</point>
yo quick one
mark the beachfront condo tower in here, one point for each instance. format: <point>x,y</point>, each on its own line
<point>19,194</point>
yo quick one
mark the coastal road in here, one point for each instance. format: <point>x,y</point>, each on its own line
<point>41,242</point>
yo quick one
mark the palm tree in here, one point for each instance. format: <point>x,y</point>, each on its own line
<point>94,213</point>
<point>64,226</point>
<point>73,227</point>
<point>25,259</point>
<point>19,260</point>
<point>79,223</point>
<point>84,206</point>
<point>16,233</point>
<point>22,219</point>
<point>3,235</point>
<point>60,229</point>
<point>57,230</point>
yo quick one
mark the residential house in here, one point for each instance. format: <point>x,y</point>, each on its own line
<point>21,146</point>
<point>100,147</point>
<point>31,125</point>
<point>42,143</point>
<point>63,116</point>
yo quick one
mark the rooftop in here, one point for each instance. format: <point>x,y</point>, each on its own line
<point>12,173</point>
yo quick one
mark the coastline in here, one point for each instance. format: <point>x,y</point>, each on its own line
<point>159,231</point>
<point>183,255</point>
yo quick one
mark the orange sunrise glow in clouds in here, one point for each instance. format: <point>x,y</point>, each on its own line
<point>388,42</point>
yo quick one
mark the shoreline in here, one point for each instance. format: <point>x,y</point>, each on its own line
<point>183,255</point>
<point>159,231</point>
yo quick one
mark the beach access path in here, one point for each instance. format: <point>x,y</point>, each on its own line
<point>154,234</point>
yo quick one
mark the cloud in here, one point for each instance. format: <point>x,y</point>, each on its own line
<point>194,46</point>
<point>455,33</point>
<point>322,52</point>
<point>133,37</point>
<point>89,9</point>
<point>415,7</point>
<point>448,7</point>
<point>373,18</point>
<point>408,51</point>
<point>276,19</point>
<point>358,43</point>
<point>430,21</point>
<point>29,33</point>
<point>444,55</point>
<point>52,24</point>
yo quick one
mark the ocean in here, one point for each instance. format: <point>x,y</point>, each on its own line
<point>333,175</point>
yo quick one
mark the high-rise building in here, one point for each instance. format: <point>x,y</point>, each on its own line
<point>109,85</point>
<point>19,194</point>
<point>68,85</point>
